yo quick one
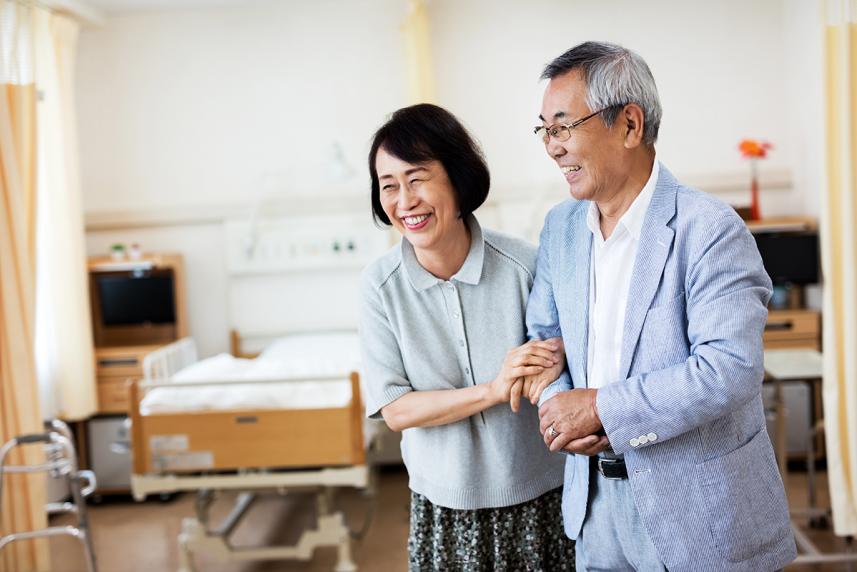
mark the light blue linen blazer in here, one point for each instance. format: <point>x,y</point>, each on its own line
<point>704,478</point>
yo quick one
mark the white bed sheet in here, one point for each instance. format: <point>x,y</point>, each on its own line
<point>312,355</point>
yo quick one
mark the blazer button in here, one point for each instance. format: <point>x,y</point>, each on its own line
<point>634,442</point>
<point>652,436</point>
<point>643,439</point>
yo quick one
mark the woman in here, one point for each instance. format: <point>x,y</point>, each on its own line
<point>439,315</point>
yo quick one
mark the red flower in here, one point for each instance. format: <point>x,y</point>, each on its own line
<point>753,149</point>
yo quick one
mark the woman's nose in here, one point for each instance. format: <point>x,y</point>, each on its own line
<point>407,199</point>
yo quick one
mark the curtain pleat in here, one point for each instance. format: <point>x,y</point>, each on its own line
<point>839,259</point>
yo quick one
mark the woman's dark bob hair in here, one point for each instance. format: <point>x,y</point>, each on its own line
<point>425,132</point>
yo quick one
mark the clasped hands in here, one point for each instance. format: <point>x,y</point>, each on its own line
<point>527,371</point>
<point>576,425</point>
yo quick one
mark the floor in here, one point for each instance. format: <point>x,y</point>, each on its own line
<point>141,537</point>
<point>132,537</point>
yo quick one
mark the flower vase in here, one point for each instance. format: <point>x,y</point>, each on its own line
<point>755,211</point>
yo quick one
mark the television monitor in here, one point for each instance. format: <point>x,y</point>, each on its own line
<point>128,300</point>
<point>790,257</point>
<point>133,307</point>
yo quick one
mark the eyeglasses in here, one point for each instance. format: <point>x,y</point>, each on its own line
<point>562,131</point>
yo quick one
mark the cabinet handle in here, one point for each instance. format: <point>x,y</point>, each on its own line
<point>779,326</point>
<point>113,362</point>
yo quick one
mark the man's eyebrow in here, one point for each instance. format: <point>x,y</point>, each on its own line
<point>557,115</point>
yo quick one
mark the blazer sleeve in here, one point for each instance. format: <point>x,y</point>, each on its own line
<point>542,316</point>
<point>727,291</point>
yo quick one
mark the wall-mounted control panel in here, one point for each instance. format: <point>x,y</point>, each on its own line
<point>287,244</point>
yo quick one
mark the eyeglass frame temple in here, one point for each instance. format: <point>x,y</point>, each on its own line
<point>572,125</point>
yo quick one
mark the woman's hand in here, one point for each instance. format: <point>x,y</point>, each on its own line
<point>530,359</point>
<point>534,385</point>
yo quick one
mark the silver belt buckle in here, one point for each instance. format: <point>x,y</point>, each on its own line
<point>601,460</point>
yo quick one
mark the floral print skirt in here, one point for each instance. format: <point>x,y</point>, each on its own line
<point>527,536</point>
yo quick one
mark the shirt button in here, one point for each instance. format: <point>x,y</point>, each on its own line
<point>652,436</point>
<point>467,371</point>
<point>450,285</point>
<point>455,314</point>
<point>461,343</point>
<point>634,442</point>
<point>643,439</point>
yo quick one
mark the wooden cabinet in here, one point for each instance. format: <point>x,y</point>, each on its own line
<point>115,368</point>
<point>137,307</point>
<point>793,329</point>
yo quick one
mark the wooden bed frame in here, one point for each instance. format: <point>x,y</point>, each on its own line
<point>251,451</point>
<point>238,439</point>
<point>251,438</point>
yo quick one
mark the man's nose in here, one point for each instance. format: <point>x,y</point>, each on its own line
<point>555,148</point>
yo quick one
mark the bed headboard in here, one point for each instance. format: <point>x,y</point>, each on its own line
<point>250,344</point>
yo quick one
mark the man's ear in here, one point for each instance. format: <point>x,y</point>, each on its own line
<point>633,120</point>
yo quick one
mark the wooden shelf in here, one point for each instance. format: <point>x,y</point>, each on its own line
<point>783,224</point>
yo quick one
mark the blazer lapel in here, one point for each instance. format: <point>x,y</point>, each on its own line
<point>575,278</point>
<point>656,241</point>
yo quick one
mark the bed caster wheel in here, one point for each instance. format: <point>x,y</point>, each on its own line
<point>95,498</point>
<point>819,523</point>
<point>165,497</point>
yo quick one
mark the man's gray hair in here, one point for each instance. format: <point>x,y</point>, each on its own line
<point>614,77</point>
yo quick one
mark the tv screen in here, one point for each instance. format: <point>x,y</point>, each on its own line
<point>130,300</point>
<point>790,258</point>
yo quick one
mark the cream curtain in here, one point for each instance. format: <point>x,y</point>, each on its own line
<point>64,355</point>
<point>839,258</point>
<point>418,61</point>
<point>23,496</point>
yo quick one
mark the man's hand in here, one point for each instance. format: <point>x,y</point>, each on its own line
<point>589,445</point>
<point>573,416</point>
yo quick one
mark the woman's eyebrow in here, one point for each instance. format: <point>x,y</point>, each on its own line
<point>409,172</point>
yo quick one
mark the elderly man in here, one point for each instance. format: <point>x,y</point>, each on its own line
<point>659,294</point>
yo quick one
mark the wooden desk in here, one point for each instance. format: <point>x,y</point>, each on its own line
<point>804,365</point>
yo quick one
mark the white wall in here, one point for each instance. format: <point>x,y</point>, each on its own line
<point>804,94</point>
<point>193,114</point>
<point>720,67</point>
<point>227,104</point>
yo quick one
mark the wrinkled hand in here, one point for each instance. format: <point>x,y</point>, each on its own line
<point>534,385</point>
<point>531,358</point>
<point>590,445</point>
<point>573,415</point>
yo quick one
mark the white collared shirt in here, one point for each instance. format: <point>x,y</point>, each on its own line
<point>610,267</point>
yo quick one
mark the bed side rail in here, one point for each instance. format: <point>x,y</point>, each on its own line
<point>166,361</point>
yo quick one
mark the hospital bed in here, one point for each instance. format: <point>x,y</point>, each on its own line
<point>289,419</point>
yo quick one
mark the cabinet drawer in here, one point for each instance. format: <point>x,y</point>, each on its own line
<point>121,361</point>
<point>113,394</point>
<point>792,325</point>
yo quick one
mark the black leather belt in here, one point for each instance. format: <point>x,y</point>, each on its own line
<point>613,469</point>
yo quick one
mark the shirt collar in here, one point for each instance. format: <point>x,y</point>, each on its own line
<point>469,273</point>
<point>635,216</point>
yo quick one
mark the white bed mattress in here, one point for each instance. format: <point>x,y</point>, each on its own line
<point>292,357</point>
